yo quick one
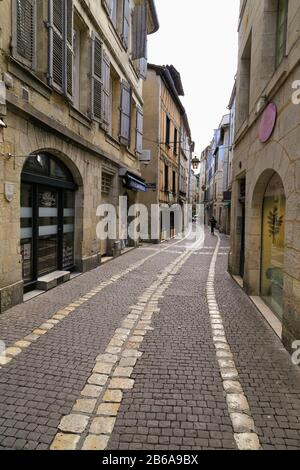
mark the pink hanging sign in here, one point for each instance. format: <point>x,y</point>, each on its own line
<point>267,123</point>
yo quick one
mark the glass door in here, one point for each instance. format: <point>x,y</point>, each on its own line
<point>27,232</point>
<point>68,229</point>
<point>47,247</point>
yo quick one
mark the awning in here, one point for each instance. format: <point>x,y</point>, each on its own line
<point>135,183</point>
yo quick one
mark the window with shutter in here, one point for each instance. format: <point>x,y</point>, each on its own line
<point>139,130</point>
<point>139,32</point>
<point>142,68</point>
<point>126,23</point>
<point>24,31</point>
<point>69,48</point>
<point>61,45</point>
<point>97,79</point>
<point>125,119</point>
<point>106,182</point>
<point>106,102</point>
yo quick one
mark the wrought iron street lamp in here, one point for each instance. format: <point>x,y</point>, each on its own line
<point>195,163</point>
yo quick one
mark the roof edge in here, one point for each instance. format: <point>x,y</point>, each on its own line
<point>153,10</point>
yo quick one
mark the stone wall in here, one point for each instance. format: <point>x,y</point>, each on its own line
<point>281,154</point>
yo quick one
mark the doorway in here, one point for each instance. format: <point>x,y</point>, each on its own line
<point>273,236</point>
<point>47,218</point>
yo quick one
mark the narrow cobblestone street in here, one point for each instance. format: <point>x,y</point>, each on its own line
<point>158,349</point>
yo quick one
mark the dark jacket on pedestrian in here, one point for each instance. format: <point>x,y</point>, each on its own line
<point>212,222</point>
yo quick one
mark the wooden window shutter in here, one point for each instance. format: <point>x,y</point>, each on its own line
<point>97,79</point>
<point>139,32</point>
<point>61,45</point>
<point>106,112</point>
<point>126,22</point>
<point>125,121</point>
<point>69,49</point>
<point>56,49</point>
<point>142,68</point>
<point>24,31</point>
<point>139,130</point>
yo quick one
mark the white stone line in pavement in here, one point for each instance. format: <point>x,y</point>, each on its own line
<point>243,424</point>
<point>17,348</point>
<point>91,422</point>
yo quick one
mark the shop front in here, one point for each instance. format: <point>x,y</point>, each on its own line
<point>47,218</point>
<point>273,237</point>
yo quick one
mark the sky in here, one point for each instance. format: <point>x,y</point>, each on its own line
<point>200,39</point>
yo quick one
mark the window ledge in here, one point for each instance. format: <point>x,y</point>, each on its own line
<point>28,77</point>
<point>111,140</point>
<point>80,117</point>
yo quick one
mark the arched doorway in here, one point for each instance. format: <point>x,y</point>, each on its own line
<point>273,237</point>
<point>47,217</point>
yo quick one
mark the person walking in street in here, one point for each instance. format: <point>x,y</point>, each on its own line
<point>212,223</point>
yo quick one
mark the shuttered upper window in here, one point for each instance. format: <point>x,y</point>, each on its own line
<point>106,182</point>
<point>61,45</point>
<point>125,120</point>
<point>24,31</point>
<point>281,36</point>
<point>106,101</point>
<point>139,32</point>
<point>97,78</point>
<point>139,130</point>
<point>126,23</point>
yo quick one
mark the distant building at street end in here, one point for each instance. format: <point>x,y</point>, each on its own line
<point>167,135</point>
<point>215,177</point>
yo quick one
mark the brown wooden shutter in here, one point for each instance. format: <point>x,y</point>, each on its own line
<point>61,45</point>
<point>139,130</point>
<point>139,32</point>
<point>97,79</point>
<point>126,22</point>
<point>125,121</point>
<point>24,31</point>
<point>106,112</point>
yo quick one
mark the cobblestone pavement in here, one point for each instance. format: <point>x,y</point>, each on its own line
<point>135,363</point>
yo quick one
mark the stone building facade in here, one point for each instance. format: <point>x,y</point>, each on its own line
<point>265,222</point>
<point>165,123</point>
<point>72,110</point>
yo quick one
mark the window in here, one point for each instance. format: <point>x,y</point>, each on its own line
<point>81,59</point>
<point>166,178</point>
<point>243,106</point>
<point>96,78</point>
<point>139,32</point>
<point>119,13</point>
<point>175,141</point>
<point>168,128</point>
<point>139,130</point>
<point>106,182</point>
<point>281,35</point>
<point>125,114</point>
<point>174,182</point>
<point>217,162</point>
<point>115,99</point>
<point>61,45</point>
<point>106,101</point>
<point>24,31</point>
